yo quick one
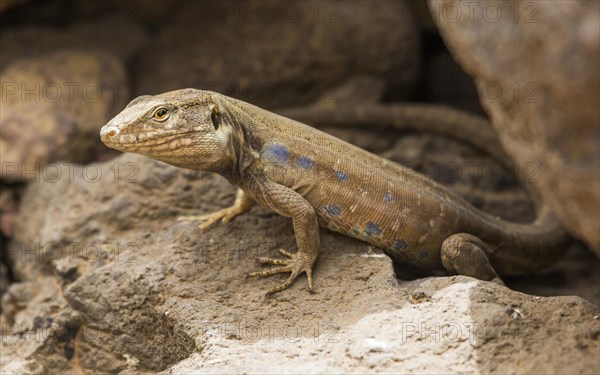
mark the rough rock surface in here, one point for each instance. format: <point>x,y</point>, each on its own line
<point>111,282</point>
<point>281,53</point>
<point>52,108</point>
<point>542,93</point>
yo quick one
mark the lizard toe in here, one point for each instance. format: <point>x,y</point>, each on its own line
<point>284,262</point>
<point>273,271</point>
<point>281,286</point>
<point>265,260</point>
<point>286,253</point>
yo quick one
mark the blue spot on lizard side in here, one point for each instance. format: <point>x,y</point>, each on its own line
<point>304,162</point>
<point>276,153</point>
<point>333,210</point>
<point>388,198</point>
<point>341,175</point>
<point>372,229</point>
<point>399,245</point>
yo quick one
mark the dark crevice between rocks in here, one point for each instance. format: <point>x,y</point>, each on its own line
<point>58,351</point>
<point>9,202</point>
<point>6,273</point>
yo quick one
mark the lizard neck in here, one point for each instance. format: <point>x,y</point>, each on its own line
<point>242,145</point>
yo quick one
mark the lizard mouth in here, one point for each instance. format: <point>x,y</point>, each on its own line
<point>144,141</point>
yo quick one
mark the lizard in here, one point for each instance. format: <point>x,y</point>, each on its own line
<point>318,180</point>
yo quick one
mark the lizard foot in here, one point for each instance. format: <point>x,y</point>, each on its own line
<point>296,264</point>
<point>465,254</point>
<point>225,215</point>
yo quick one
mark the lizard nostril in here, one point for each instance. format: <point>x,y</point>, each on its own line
<point>111,133</point>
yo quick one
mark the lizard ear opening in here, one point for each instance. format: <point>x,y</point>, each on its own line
<point>215,117</point>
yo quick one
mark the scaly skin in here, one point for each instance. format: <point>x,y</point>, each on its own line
<point>317,179</point>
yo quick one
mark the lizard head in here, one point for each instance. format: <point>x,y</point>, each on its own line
<point>184,128</point>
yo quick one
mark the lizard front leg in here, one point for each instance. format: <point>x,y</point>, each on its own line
<point>289,203</point>
<point>243,202</point>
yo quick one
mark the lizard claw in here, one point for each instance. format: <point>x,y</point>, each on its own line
<point>296,264</point>
<point>225,215</point>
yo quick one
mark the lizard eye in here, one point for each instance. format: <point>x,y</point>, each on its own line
<point>215,117</point>
<point>160,114</point>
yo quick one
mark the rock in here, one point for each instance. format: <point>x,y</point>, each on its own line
<point>116,35</point>
<point>281,53</point>
<point>52,109</point>
<point>541,92</point>
<point>453,326</point>
<point>146,293</point>
<point>38,329</point>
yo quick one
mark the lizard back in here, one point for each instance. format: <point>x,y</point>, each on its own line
<point>364,196</point>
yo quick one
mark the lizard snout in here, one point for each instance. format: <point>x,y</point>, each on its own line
<point>109,132</point>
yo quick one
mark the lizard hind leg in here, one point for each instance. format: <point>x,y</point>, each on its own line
<point>464,254</point>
